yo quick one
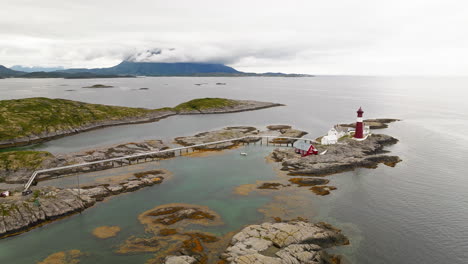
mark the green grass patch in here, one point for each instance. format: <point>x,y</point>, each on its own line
<point>205,103</point>
<point>32,116</point>
<point>14,160</point>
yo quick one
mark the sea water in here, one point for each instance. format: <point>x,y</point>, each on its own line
<point>413,213</point>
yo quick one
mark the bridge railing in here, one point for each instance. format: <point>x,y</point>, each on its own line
<point>133,156</point>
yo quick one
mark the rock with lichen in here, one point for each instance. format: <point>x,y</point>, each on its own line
<point>287,242</point>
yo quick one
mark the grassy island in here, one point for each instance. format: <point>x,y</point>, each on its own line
<point>33,116</point>
<point>31,120</point>
<point>206,103</point>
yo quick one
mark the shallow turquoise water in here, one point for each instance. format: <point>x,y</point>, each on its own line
<point>208,181</point>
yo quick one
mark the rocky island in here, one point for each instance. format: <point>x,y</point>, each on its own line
<point>347,155</point>
<point>238,132</point>
<point>31,120</point>
<point>21,213</point>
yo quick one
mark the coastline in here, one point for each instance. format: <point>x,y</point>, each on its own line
<point>99,192</point>
<point>244,105</point>
<point>50,204</point>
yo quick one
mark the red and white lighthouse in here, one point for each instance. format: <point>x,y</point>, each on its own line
<point>359,133</point>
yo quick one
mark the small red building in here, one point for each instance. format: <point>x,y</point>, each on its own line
<point>305,149</point>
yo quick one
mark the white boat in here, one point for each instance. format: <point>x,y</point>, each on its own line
<point>323,152</point>
<point>243,154</point>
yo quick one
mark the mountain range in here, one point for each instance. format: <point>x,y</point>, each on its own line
<point>133,69</point>
<point>36,69</point>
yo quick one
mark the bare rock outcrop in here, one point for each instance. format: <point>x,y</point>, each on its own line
<point>288,242</point>
<point>347,155</point>
<point>20,213</point>
<point>219,135</point>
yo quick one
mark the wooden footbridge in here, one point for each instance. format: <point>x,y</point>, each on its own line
<point>152,155</point>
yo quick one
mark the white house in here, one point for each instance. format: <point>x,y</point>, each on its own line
<point>333,135</point>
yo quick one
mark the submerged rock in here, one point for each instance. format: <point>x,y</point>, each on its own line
<point>270,185</point>
<point>309,181</point>
<point>104,232</point>
<point>172,215</point>
<point>322,190</point>
<point>140,245</point>
<point>65,257</point>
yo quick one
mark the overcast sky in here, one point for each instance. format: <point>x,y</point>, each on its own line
<point>368,37</point>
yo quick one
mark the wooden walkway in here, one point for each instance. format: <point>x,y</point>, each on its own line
<point>151,155</point>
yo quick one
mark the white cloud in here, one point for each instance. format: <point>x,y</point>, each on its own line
<point>307,36</point>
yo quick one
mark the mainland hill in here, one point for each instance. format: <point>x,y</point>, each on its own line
<point>160,69</point>
<point>132,69</point>
<point>6,72</point>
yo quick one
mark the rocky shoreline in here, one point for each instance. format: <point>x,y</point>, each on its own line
<point>21,213</point>
<point>291,242</point>
<point>49,135</point>
<point>239,106</point>
<point>238,132</point>
<point>19,175</point>
<point>348,155</point>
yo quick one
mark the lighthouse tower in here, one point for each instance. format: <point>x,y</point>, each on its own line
<point>359,125</point>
